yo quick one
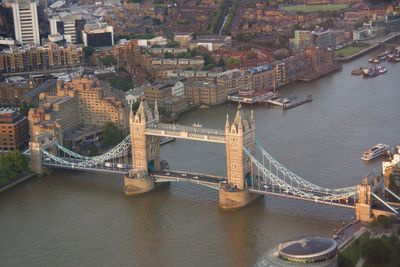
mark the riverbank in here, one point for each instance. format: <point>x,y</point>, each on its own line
<point>368,49</point>
<point>319,73</point>
<point>16,181</point>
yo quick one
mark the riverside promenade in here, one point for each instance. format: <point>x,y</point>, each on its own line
<point>368,49</point>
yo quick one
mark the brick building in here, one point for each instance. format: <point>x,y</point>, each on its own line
<point>14,130</point>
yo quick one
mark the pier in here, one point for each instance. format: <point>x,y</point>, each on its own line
<point>289,103</point>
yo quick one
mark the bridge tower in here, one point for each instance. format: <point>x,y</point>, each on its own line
<point>238,134</point>
<point>42,141</point>
<point>364,201</point>
<point>145,151</point>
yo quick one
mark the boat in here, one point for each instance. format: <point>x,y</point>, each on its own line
<point>382,70</point>
<point>165,140</point>
<point>371,60</point>
<point>374,152</point>
<point>198,125</point>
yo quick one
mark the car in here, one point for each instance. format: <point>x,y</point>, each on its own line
<point>184,174</point>
<point>107,164</point>
<point>167,173</point>
<point>195,177</point>
<point>224,181</point>
<point>121,166</point>
<point>46,159</point>
<point>266,186</point>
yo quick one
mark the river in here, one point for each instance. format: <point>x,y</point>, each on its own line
<point>84,219</point>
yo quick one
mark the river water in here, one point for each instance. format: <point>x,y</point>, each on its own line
<point>84,219</point>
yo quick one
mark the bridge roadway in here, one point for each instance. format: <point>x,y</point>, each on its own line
<point>212,181</point>
<point>186,132</point>
<point>276,191</point>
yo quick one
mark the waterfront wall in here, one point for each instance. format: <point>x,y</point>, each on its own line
<point>20,180</point>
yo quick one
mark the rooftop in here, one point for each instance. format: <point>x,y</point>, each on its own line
<point>305,247</point>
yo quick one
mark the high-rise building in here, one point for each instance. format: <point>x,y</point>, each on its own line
<point>68,25</point>
<point>26,24</point>
<point>302,39</point>
<point>98,35</point>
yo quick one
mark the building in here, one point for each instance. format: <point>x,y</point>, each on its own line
<point>232,81</point>
<point>49,56</point>
<point>304,251</point>
<point>211,42</point>
<point>70,26</point>
<point>183,38</point>
<point>78,110</point>
<point>12,91</point>
<point>301,39</point>
<point>98,35</point>
<point>392,168</point>
<point>14,130</point>
<point>157,92</point>
<point>26,23</point>
<point>263,77</point>
<point>323,39</point>
<point>207,93</point>
<point>134,95</point>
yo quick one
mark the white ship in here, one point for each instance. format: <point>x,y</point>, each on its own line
<point>374,151</point>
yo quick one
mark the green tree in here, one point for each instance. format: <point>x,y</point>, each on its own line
<point>232,62</point>
<point>111,134</point>
<point>135,105</point>
<point>121,84</point>
<point>93,150</point>
<point>88,52</point>
<point>344,261</point>
<point>24,108</point>
<point>375,251</point>
<point>108,60</point>
<point>172,43</point>
<point>168,55</point>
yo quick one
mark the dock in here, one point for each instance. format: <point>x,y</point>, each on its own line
<point>286,103</point>
<point>297,103</point>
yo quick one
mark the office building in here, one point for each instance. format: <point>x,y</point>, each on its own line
<point>26,24</point>
<point>98,35</point>
<point>69,26</point>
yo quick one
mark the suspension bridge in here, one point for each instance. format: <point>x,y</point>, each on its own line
<point>251,170</point>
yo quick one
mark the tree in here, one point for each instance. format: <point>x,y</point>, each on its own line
<point>88,52</point>
<point>168,55</point>
<point>375,251</point>
<point>108,60</point>
<point>135,105</point>
<point>172,43</point>
<point>344,261</point>
<point>232,62</point>
<point>93,150</point>
<point>111,134</point>
<point>24,108</point>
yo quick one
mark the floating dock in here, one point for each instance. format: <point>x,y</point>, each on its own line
<point>286,103</point>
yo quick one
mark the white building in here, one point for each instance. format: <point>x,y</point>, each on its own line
<point>394,161</point>
<point>178,89</point>
<point>66,24</point>
<point>134,95</point>
<point>26,25</point>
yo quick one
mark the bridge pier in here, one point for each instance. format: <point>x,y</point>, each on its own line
<point>235,199</point>
<point>138,182</point>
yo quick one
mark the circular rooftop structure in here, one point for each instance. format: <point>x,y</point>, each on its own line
<point>308,249</point>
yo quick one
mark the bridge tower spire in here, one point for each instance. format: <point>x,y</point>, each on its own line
<point>145,150</point>
<point>238,134</point>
